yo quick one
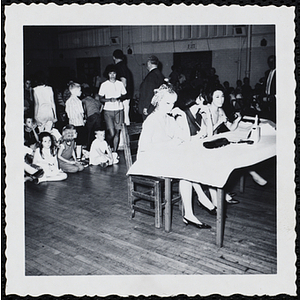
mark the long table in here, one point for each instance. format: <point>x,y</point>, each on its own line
<point>192,161</point>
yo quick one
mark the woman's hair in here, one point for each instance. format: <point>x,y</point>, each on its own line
<point>109,69</point>
<point>52,147</point>
<point>187,98</point>
<point>165,88</point>
<point>41,78</point>
<point>118,53</point>
<point>68,133</point>
<point>209,95</point>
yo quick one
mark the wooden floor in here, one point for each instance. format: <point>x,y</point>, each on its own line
<point>82,226</point>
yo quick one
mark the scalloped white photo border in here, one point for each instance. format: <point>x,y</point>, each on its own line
<point>18,15</point>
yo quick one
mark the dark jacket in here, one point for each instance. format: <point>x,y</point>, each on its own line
<point>153,80</point>
<point>194,123</point>
<point>123,71</point>
<point>273,83</point>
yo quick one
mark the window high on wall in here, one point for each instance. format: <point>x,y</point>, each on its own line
<point>101,36</point>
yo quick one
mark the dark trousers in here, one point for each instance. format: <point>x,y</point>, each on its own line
<point>93,122</point>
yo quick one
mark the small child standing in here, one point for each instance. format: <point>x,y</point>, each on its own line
<point>74,110</point>
<point>66,153</point>
<point>101,153</point>
<point>45,157</point>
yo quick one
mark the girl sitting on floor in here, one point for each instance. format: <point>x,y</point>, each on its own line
<point>45,157</point>
<point>66,153</point>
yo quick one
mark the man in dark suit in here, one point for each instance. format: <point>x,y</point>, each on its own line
<point>153,80</point>
<point>270,87</point>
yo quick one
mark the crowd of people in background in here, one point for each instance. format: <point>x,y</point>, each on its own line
<point>67,129</point>
<point>241,96</point>
<point>83,123</point>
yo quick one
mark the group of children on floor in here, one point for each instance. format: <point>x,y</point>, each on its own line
<point>49,155</point>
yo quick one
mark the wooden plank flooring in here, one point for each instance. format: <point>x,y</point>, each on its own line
<point>82,226</point>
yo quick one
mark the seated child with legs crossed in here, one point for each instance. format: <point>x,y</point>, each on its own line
<point>32,172</point>
<point>100,153</point>
<point>45,157</point>
<point>66,152</point>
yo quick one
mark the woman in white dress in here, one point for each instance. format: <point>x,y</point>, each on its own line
<point>44,106</point>
<point>161,130</point>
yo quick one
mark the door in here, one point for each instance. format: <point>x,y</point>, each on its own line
<point>87,69</point>
<point>194,65</point>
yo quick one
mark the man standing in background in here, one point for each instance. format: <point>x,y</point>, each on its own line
<point>124,75</point>
<point>270,87</point>
<point>153,80</point>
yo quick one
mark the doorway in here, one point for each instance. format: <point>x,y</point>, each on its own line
<point>87,69</point>
<point>194,65</point>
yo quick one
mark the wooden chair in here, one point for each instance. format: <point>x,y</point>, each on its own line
<point>143,188</point>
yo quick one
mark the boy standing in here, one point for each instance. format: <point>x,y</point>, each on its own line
<point>74,110</point>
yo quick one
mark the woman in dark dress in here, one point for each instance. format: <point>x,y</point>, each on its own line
<point>194,108</point>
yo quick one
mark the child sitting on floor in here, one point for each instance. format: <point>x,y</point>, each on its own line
<point>31,132</point>
<point>66,153</point>
<point>45,157</point>
<point>32,172</point>
<point>55,133</point>
<point>101,153</point>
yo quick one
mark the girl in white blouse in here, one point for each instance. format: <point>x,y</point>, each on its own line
<point>45,157</point>
<point>112,93</point>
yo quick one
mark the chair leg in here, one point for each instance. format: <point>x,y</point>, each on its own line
<point>181,208</point>
<point>242,183</point>
<point>158,206</point>
<point>130,197</point>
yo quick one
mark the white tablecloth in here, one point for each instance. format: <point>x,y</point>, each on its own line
<point>192,161</point>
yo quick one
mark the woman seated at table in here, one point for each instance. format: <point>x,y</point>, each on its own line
<point>160,131</point>
<point>217,115</point>
<point>220,123</point>
<point>194,108</point>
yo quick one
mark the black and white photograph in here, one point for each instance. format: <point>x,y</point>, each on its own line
<point>158,150</point>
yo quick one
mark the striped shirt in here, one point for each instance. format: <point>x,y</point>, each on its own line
<point>74,111</point>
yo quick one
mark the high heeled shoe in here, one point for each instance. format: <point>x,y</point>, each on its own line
<point>200,226</point>
<point>212,212</point>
